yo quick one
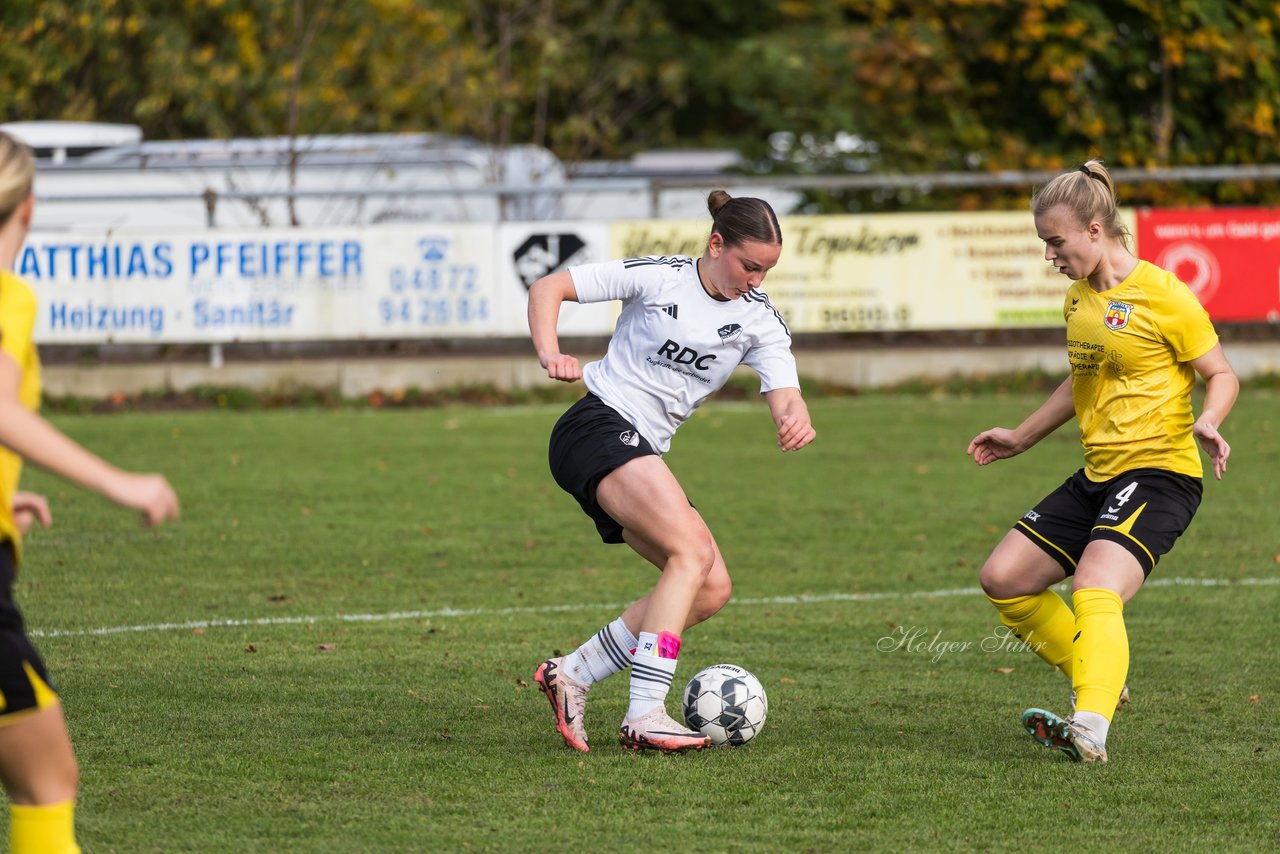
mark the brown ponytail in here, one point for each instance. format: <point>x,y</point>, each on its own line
<point>739,220</point>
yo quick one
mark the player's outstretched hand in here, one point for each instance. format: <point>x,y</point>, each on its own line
<point>149,494</point>
<point>1214,445</point>
<point>998,443</point>
<point>562,367</point>
<point>28,508</point>
<point>794,432</point>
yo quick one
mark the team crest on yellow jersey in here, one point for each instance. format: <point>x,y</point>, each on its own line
<point>1118,315</point>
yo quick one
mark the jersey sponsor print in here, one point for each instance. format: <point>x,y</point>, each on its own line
<point>675,344</point>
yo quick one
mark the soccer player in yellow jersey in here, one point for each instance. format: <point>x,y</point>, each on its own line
<point>1136,338</point>
<point>37,766</point>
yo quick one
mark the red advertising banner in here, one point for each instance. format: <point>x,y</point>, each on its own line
<point>1229,257</point>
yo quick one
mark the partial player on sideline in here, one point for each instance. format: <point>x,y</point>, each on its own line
<point>685,325</point>
<point>37,765</point>
<point>1136,338</point>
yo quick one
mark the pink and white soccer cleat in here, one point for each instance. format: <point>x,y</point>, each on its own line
<point>568,702</point>
<point>657,731</point>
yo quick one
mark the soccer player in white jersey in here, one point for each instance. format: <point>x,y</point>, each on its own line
<point>685,325</point>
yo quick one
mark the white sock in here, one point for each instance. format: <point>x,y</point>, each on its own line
<point>606,653</point>
<point>651,677</point>
<point>1095,723</point>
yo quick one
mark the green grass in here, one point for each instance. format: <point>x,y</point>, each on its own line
<point>419,730</point>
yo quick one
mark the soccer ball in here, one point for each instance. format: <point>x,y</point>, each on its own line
<point>725,703</point>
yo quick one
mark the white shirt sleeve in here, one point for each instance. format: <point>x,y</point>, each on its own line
<point>772,359</point>
<point>607,280</point>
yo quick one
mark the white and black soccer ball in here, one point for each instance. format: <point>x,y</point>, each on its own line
<point>725,703</point>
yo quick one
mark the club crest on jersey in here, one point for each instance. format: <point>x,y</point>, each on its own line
<point>630,438</point>
<point>1117,315</point>
<point>729,332</point>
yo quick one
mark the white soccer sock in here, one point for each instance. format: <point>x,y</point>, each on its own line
<point>1095,723</point>
<point>606,653</point>
<point>651,677</point>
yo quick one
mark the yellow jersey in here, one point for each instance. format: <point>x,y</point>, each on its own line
<point>1129,348</point>
<point>17,319</point>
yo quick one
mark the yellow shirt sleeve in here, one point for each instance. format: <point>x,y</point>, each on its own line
<point>1184,322</point>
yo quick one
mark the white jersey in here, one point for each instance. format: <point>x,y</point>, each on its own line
<point>674,344</point>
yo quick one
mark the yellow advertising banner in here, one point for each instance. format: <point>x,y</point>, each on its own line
<point>885,272</point>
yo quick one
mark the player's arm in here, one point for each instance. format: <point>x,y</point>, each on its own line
<point>1000,443</point>
<point>791,416</point>
<point>545,297</point>
<point>35,439</point>
<point>1221,386</point>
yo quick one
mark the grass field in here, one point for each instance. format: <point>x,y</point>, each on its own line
<point>332,651</point>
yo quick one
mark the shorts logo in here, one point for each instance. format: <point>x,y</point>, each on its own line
<point>729,332</point>
<point>630,437</point>
<point>1032,515</point>
<point>1117,315</point>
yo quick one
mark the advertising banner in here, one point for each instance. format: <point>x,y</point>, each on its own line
<point>891,271</point>
<point>529,251</point>
<point>263,285</point>
<point>878,272</point>
<point>1229,257</point>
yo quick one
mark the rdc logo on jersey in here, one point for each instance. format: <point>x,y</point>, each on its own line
<point>682,355</point>
<point>630,438</point>
<point>729,332</point>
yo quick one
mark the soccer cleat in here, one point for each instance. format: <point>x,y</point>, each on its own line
<point>1120,703</point>
<point>568,702</point>
<point>657,731</point>
<point>1071,738</point>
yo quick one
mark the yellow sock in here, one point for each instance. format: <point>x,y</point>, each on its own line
<point>45,829</point>
<point>1043,622</point>
<point>1101,651</point>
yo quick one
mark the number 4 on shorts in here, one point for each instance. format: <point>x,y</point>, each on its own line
<point>1122,497</point>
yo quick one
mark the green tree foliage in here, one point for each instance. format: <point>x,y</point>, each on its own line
<point>509,71</point>
<point>954,85</point>
<point>1048,83</point>
<point>901,86</point>
<point>585,77</point>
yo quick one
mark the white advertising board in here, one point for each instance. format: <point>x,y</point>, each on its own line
<point>263,285</point>
<point>836,274</point>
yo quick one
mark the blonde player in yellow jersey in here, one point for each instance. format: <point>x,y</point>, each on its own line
<point>37,766</point>
<point>1136,338</point>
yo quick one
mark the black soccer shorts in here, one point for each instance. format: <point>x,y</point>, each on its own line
<point>588,442</point>
<point>1144,510</point>
<point>24,683</point>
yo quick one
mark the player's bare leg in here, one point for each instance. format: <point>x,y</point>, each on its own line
<point>645,498</point>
